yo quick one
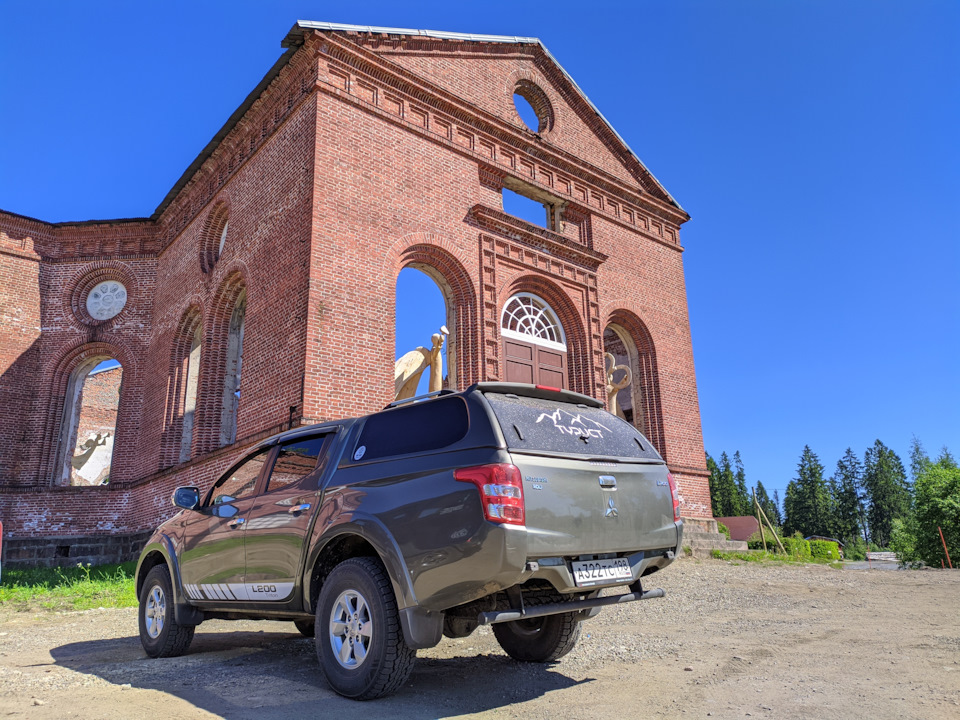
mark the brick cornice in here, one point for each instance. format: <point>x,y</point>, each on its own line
<point>375,67</point>
<point>540,238</point>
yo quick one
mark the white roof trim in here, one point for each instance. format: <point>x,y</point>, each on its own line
<point>508,39</point>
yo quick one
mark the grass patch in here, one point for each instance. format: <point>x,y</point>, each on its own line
<point>81,587</point>
<point>759,556</point>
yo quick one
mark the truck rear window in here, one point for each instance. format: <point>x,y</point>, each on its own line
<point>416,428</point>
<point>534,424</point>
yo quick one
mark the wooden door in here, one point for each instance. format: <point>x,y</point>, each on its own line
<point>528,363</point>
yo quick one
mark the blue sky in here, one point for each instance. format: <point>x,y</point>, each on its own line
<point>814,144</point>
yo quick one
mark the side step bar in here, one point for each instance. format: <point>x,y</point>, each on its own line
<point>489,618</point>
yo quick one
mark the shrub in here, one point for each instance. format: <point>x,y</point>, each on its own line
<point>854,548</point>
<point>797,547</point>
<point>824,550</point>
<point>723,530</point>
<point>755,542</point>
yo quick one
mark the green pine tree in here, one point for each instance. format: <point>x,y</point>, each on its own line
<point>728,501</point>
<point>714,486</point>
<point>845,487</point>
<point>744,501</point>
<point>776,508</point>
<point>807,502</point>
<point>767,504</point>
<point>885,482</point>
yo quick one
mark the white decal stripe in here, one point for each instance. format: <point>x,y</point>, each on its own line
<point>225,589</point>
<point>238,590</point>
<point>211,590</point>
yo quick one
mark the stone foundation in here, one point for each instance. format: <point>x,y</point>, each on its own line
<point>67,551</point>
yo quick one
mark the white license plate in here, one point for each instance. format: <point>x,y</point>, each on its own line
<point>601,572</point>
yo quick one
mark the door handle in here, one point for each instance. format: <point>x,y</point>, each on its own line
<point>299,508</point>
<point>236,523</point>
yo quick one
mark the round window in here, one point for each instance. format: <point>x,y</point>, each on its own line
<point>106,300</point>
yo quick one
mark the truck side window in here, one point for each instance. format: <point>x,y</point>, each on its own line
<point>296,460</point>
<point>416,428</point>
<point>242,481</point>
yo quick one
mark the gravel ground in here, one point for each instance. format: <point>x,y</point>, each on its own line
<point>728,641</point>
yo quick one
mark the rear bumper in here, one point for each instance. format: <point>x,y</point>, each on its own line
<point>637,593</point>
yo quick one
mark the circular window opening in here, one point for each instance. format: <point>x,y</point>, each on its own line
<point>533,107</point>
<point>106,300</point>
<point>526,112</point>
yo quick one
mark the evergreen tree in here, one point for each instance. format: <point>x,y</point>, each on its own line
<point>744,501</point>
<point>885,482</point>
<point>919,460</point>
<point>714,486</point>
<point>807,503</point>
<point>766,504</point>
<point>776,508</point>
<point>845,486</point>
<point>728,501</point>
<point>937,505</point>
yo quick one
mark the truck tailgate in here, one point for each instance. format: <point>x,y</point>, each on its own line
<point>588,507</point>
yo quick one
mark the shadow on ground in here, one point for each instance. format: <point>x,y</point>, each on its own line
<point>276,675</point>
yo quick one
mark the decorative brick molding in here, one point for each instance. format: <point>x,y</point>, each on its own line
<point>88,277</point>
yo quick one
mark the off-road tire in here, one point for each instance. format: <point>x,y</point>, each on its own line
<point>381,660</point>
<point>305,627</point>
<point>160,634</point>
<point>539,640</point>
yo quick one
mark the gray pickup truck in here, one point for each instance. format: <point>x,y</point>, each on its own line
<point>505,505</point>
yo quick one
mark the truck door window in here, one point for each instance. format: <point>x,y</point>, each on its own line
<point>296,459</point>
<point>242,481</point>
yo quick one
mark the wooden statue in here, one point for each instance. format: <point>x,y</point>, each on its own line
<point>613,388</point>
<point>408,369</point>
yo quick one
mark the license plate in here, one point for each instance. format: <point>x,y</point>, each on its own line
<point>601,572</point>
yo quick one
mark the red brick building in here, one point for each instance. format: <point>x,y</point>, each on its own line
<point>272,265</point>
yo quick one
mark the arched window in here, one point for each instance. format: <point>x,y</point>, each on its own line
<point>424,346</point>
<point>534,344</point>
<point>89,422</point>
<point>232,372</point>
<point>191,376</point>
<point>628,341</point>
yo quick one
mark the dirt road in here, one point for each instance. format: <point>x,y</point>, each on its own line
<point>728,641</point>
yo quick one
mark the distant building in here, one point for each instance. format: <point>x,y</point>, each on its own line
<point>261,292</point>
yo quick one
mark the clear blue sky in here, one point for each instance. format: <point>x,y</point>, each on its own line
<point>816,145</point>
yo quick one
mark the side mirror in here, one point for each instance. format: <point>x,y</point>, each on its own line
<point>187,498</point>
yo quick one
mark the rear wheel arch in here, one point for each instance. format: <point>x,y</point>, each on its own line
<point>347,545</point>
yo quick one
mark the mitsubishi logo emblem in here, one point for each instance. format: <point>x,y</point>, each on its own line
<point>611,509</point>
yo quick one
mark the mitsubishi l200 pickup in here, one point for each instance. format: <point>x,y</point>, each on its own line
<point>506,505</point>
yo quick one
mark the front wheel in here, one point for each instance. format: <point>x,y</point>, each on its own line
<point>160,634</point>
<point>359,640</point>
<point>542,639</point>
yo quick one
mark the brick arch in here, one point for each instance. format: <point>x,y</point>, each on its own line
<point>215,343</point>
<point>59,379</point>
<point>441,260</point>
<point>580,369</point>
<point>210,233</point>
<point>173,411</point>
<point>532,87</point>
<point>646,374</point>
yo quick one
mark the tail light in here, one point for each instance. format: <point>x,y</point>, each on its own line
<point>676,498</point>
<point>501,491</point>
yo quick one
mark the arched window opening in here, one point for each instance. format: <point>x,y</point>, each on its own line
<point>232,375</point>
<point>223,238</point>
<point>628,347</point>
<point>534,344</point>
<point>425,333</point>
<point>621,369</point>
<point>191,375</point>
<point>90,422</point>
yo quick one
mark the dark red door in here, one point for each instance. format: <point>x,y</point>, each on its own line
<point>529,363</point>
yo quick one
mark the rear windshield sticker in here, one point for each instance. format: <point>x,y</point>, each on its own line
<point>569,424</point>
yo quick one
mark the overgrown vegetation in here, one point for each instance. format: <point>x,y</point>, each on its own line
<point>81,587</point>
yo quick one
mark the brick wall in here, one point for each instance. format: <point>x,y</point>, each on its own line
<point>355,158</point>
